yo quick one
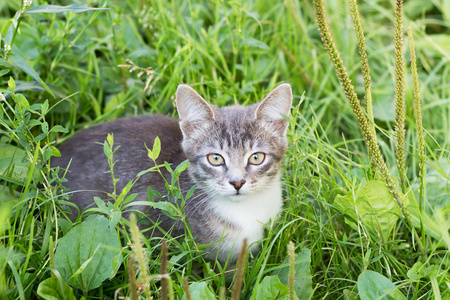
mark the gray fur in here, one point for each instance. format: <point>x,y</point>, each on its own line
<point>235,132</point>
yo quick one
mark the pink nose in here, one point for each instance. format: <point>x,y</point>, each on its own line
<point>237,184</point>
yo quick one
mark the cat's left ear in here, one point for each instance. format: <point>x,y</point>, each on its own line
<point>276,105</point>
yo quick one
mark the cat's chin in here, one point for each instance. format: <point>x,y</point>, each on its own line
<point>237,197</point>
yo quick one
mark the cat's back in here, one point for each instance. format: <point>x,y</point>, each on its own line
<point>88,163</point>
<point>132,134</point>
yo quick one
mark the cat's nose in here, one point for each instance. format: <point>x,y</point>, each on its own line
<point>237,184</point>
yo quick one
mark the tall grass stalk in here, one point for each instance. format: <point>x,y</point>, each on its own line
<point>418,117</point>
<point>344,79</point>
<point>132,285</point>
<point>141,257</point>
<point>370,140</point>
<point>364,64</point>
<point>400,104</point>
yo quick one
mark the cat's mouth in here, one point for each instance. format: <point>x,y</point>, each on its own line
<point>237,196</point>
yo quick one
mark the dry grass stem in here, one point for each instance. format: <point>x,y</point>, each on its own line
<point>187,292</point>
<point>291,279</point>
<point>132,285</point>
<point>164,271</point>
<point>141,257</point>
<point>239,278</point>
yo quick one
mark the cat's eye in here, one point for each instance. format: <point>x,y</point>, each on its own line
<point>256,158</point>
<point>215,159</point>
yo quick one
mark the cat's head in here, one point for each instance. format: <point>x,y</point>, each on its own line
<point>235,150</point>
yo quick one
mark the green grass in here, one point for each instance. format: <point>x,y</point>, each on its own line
<point>231,52</point>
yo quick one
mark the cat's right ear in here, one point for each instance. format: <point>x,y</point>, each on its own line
<point>193,110</point>
<point>275,106</point>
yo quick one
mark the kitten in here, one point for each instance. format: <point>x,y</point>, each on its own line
<point>235,156</point>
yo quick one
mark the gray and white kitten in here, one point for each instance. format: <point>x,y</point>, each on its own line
<point>235,156</point>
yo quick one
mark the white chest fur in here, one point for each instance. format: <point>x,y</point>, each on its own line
<point>246,218</point>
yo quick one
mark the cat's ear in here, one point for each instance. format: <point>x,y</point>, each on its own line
<point>193,110</point>
<point>276,105</point>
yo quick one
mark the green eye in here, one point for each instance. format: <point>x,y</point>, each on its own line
<point>215,159</point>
<point>256,158</point>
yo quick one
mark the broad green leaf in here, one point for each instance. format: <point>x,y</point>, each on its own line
<point>6,204</point>
<point>10,33</point>
<point>110,139</point>
<point>40,137</point>
<point>303,278</point>
<point>22,86</point>
<point>5,64</point>
<point>372,285</point>
<point>21,100</point>
<point>107,150</point>
<point>55,151</point>
<point>108,209</point>
<point>181,167</point>
<point>419,270</point>
<point>151,194</point>
<point>167,166</point>
<point>94,241</point>
<point>117,261</point>
<point>156,148</point>
<point>167,208</point>
<point>47,154</point>
<point>130,198</point>
<point>12,156</point>
<point>200,290</point>
<point>4,72</point>
<point>58,128</point>
<point>44,107</point>
<point>255,43</point>
<point>373,204</point>
<point>16,59</point>
<point>51,9</point>
<point>33,122</point>
<point>350,295</point>
<point>11,84</point>
<point>101,205</point>
<point>150,155</point>
<point>272,288</point>
<point>116,104</point>
<point>44,127</point>
<point>51,289</point>
<point>190,193</point>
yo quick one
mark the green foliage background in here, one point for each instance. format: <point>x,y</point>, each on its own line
<point>129,59</point>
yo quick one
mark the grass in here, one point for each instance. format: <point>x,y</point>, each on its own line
<point>231,52</point>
